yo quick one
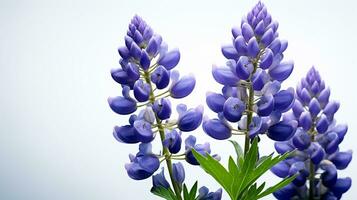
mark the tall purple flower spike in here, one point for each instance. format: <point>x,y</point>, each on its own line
<point>147,79</point>
<point>251,79</point>
<point>317,140</point>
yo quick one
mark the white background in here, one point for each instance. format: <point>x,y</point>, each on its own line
<point>55,56</point>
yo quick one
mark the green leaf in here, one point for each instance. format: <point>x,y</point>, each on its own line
<point>193,191</point>
<point>186,196</point>
<point>276,187</point>
<point>238,149</point>
<point>165,193</point>
<point>216,170</point>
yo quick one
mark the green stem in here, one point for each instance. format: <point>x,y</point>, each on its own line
<point>249,109</point>
<point>312,170</point>
<point>165,151</point>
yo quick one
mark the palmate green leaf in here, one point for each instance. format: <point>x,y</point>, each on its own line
<point>239,181</point>
<point>216,170</point>
<point>165,193</point>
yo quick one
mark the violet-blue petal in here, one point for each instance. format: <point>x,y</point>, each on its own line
<point>301,140</point>
<point>233,109</point>
<point>173,141</point>
<point>126,134</point>
<point>265,105</point>
<point>141,91</point>
<point>183,87</point>
<point>242,70</point>
<point>267,59</point>
<point>159,180</point>
<point>282,71</point>
<point>342,159</point>
<point>135,51</point>
<point>247,31</point>
<point>170,59</point>
<point>253,47</point>
<point>284,100</point>
<point>144,131</point>
<point>322,124</point>
<point>268,37</point>
<point>229,52</point>
<point>178,173</point>
<point>216,129</point>
<point>121,105</point>
<point>305,121</point>
<point>191,119</point>
<point>160,77</point>
<point>144,60</point>
<point>224,76</point>
<point>314,107</point>
<point>215,101</point>
<point>162,108</point>
<point>240,45</point>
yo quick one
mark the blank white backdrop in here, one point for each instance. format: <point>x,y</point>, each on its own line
<point>55,58</point>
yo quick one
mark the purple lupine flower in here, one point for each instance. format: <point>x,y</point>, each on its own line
<point>251,79</point>
<point>203,149</point>
<point>205,194</point>
<point>159,180</point>
<point>178,172</point>
<point>144,164</point>
<point>148,80</point>
<point>317,142</point>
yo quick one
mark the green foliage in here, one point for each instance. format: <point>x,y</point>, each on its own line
<point>168,194</point>
<point>239,181</point>
<point>165,193</point>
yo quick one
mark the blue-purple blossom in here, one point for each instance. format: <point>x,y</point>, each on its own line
<point>178,172</point>
<point>251,79</point>
<point>159,180</point>
<point>203,149</point>
<point>317,142</point>
<point>205,194</point>
<point>144,164</point>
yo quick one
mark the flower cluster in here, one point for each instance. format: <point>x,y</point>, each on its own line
<point>317,140</point>
<point>148,80</point>
<point>251,79</point>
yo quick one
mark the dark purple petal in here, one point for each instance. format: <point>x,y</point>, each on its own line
<point>282,131</point>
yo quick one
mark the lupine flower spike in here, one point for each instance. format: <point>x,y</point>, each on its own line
<point>317,140</point>
<point>252,101</point>
<point>148,79</point>
<point>250,104</point>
